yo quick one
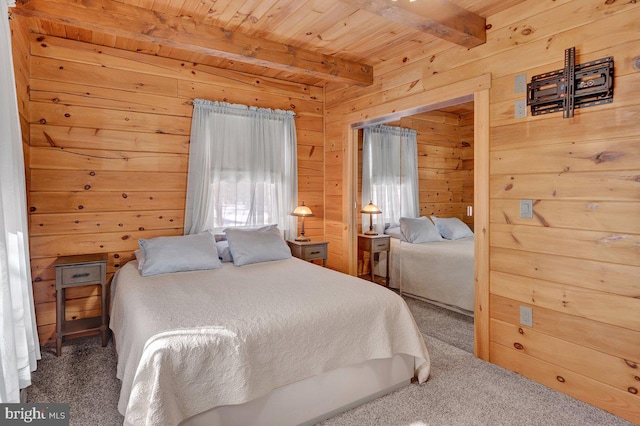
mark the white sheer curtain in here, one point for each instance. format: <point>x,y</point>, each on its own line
<point>390,174</point>
<point>242,168</point>
<point>19,347</point>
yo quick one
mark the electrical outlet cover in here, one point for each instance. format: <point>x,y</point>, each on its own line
<point>526,316</point>
<point>520,109</point>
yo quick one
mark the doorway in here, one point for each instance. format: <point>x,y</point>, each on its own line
<point>476,90</point>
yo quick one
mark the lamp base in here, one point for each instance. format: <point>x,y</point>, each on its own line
<point>370,232</point>
<point>302,239</point>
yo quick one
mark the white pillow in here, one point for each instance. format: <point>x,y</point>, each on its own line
<point>394,232</point>
<point>419,230</point>
<point>223,250</point>
<point>452,228</point>
<point>256,245</point>
<point>178,254</point>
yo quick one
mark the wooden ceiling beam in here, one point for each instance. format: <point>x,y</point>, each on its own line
<point>440,18</point>
<point>144,25</point>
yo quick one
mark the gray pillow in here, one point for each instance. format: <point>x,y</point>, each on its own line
<point>256,245</point>
<point>394,232</point>
<point>452,228</point>
<point>140,258</point>
<point>223,251</point>
<point>419,230</point>
<point>178,254</point>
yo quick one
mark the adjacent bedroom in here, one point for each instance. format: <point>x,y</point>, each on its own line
<point>415,192</point>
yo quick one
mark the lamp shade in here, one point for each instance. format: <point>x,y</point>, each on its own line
<point>371,209</point>
<point>303,211</point>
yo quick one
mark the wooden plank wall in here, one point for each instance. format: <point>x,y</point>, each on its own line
<point>109,153</point>
<point>445,163</point>
<point>577,262</point>
<point>21,66</point>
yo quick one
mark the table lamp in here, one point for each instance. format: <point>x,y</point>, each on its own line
<point>302,211</point>
<point>371,209</point>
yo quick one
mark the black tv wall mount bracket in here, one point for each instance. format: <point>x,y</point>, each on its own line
<point>574,86</point>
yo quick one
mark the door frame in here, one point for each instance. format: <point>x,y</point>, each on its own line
<point>473,89</point>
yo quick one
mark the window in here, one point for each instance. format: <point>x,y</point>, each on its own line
<point>242,168</point>
<point>390,174</point>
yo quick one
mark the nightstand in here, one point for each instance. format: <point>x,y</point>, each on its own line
<point>76,271</point>
<point>309,250</point>
<point>375,244</point>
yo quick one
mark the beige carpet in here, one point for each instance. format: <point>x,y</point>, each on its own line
<point>462,390</point>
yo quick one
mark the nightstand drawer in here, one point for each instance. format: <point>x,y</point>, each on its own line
<point>318,251</point>
<point>81,274</point>
<point>381,245</point>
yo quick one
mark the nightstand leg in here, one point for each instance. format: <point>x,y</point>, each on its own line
<point>373,276</point>
<point>103,326</point>
<point>59,319</point>
<point>387,273</point>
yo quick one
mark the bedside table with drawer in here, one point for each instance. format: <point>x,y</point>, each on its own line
<point>375,244</point>
<point>309,250</point>
<point>76,271</point>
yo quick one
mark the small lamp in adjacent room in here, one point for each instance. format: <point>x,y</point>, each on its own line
<point>371,209</point>
<point>302,211</point>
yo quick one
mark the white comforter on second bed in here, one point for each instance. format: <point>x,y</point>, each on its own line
<point>191,341</point>
<point>440,271</point>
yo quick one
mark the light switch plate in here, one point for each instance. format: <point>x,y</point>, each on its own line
<point>526,209</point>
<point>520,83</point>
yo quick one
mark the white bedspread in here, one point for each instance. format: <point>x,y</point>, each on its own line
<point>440,271</point>
<point>191,341</point>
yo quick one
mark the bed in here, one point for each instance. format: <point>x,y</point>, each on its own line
<point>439,272</point>
<point>280,342</point>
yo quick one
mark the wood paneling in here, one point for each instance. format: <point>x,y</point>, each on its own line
<point>445,179</point>
<point>109,144</point>
<point>576,262</point>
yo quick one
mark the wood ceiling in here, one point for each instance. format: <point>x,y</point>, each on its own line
<point>306,41</point>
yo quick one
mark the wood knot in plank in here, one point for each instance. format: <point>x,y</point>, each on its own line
<point>49,139</point>
<point>631,364</point>
<point>560,379</point>
<point>605,156</point>
<point>509,187</point>
<point>506,218</point>
<point>518,346</point>
<point>632,390</point>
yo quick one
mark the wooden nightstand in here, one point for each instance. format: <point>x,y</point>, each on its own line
<point>76,271</point>
<point>375,244</point>
<point>310,250</point>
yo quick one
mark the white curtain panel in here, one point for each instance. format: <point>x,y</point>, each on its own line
<point>243,168</point>
<point>19,348</point>
<point>389,174</point>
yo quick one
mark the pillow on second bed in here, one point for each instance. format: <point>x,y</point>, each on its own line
<point>419,230</point>
<point>223,251</point>
<point>452,228</point>
<point>179,254</point>
<point>256,245</point>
